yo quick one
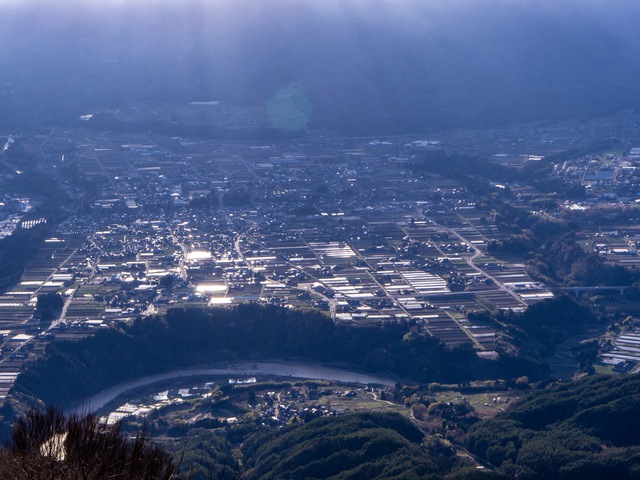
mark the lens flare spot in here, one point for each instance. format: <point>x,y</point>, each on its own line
<point>289,109</point>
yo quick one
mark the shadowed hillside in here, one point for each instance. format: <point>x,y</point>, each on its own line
<point>357,67</point>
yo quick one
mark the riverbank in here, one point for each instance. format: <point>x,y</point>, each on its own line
<point>275,368</point>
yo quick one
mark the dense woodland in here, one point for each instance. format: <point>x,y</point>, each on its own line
<point>357,446</point>
<point>51,203</point>
<point>47,445</point>
<point>586,429</point>
<point>580,430</point>
<point>16,250</point>
<point>365,445</point>
<point>528,338</point>
<point>186,337</point>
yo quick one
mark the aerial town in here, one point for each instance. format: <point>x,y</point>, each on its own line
<point>343,225</point>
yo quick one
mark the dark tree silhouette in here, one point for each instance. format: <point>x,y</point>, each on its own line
<point>49,445</point>
<point>49,306</point>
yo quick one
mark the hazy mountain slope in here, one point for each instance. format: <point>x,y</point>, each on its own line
<point>369,66</point>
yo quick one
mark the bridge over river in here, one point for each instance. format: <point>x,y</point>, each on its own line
<point>600,288</point>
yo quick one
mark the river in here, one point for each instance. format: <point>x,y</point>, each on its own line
<point>281,369</point>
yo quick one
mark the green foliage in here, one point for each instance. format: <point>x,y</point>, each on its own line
<point>518,244</point>
<point>587,354</point>
<point>166,281</point>
<point>551,250</point>
<point>16,250</point>
<point>185,337</point>
<point>526,339</point>
<point>49,306</point>
<point>469,473</point>
<point>364,445</point>
<point>567,261</point>
<point>585,429</point>
<point>54,200</point>
<point>207,454</point>
<point>19,248</point>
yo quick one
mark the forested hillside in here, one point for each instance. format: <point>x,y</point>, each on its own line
<point>366,445</point>
<point>195,336</point>
<point>370,446</point>
<point>187,337</point>
<point>581,430</point>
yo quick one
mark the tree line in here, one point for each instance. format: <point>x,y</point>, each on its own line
<point>191,336</point>
<point>579,430</point>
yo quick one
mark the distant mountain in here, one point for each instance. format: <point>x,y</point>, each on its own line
<point>368,67</point>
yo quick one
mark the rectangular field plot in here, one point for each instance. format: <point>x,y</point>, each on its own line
<point>444,328</point>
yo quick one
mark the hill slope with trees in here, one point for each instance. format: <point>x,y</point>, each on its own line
<point>580,430</point>
<point>188,337</point>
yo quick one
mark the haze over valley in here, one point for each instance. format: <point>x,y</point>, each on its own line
<point>363,68</point>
